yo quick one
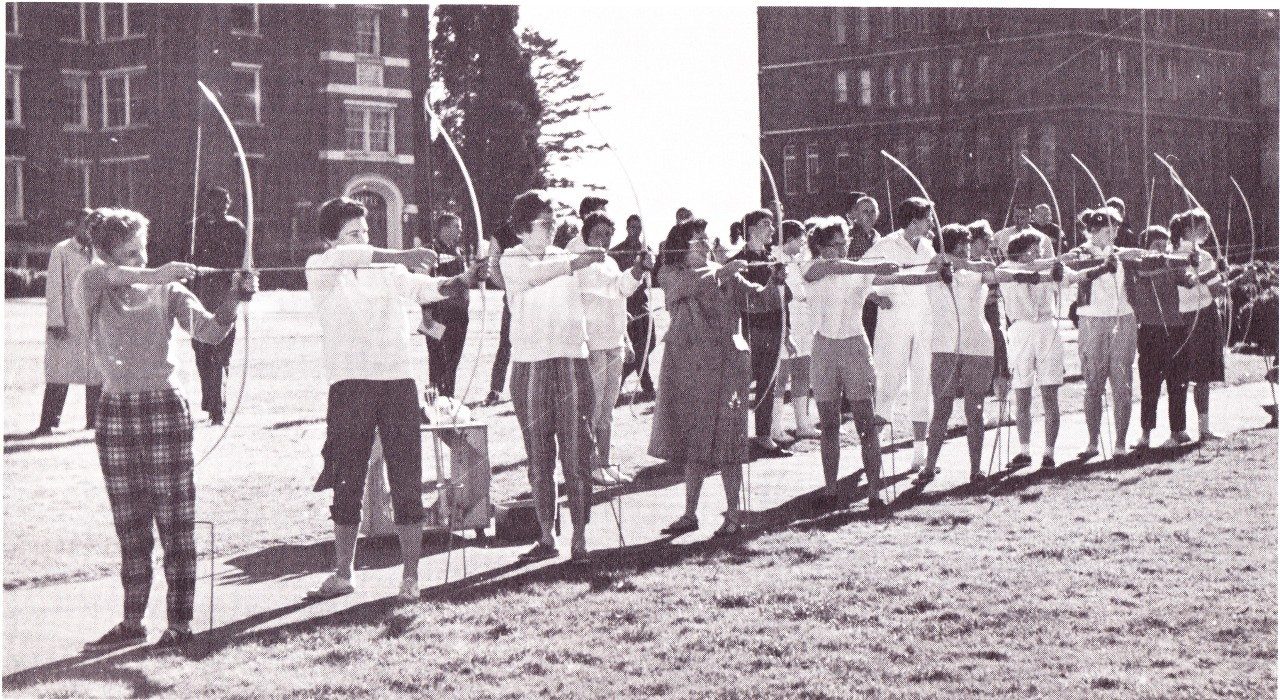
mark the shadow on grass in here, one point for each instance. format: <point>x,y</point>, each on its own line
<point>26,442</point>
<point>606,570</point>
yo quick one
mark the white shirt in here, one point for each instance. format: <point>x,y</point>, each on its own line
<point>970,302</point>
<point>365,314</point>
<point>835,305</point>
<point>893,247</point>
<point>1107,296</point>
<point>547,315</point>
<point>1199,296</point>
<point>605,288</point>
<point>1026,302</point>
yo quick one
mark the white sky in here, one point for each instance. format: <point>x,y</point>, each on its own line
<point>685,120</point>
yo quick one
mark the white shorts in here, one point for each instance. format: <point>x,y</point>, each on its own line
<point>801,328</point>
<point>1035,354</point>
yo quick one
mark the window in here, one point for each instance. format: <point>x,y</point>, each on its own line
<point>368,32</point>
<point>71,21</point>
<point>369,73</point>
<point>957,79</point>
<point>908,85</point>
<point>812,168</point>
<point>77,180</point>
<point>886,21</point>
<point>839,30</point>
<point>1049,150</point>
<point>983,73</point>
<point>1121,64</point>
<point>13,204</point>
<point>890,86</point>
<point>982,172</point>
<point>924,153</point>
<point>244,18</point>
<point>123,98</point>
<point>922,85</point>
<point>864,25</point>
<point>1104,67</point>
<point>122,180</point>
<point>864,87</point>
<point>76,99</point>
<point>370,128</point>
<point>1171,76</point>
<point>842,87</point>
<point>13,95</point>
<point>844,167</point>
<point>789,174</point>
<point>114,20</point>
<point>11,19</point>
<point>246,93</point>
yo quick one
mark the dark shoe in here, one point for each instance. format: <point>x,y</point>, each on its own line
<point>41,431</point>
<point>764,451</point>
<point>215,420</point>
<point>1048,463</point>
<point>645,396</point>
<point>539,552</point>
<point>729,529</point>
<point>682,525</point>
<point>925,476</point>
<point>1019,461</point>
<point>877,506</point>
<point>1088,454</point>
<point>119,636</point>
<point>173,638</point>
<point>977,477</point>
<point>493,399</point>
<point>623,400</point>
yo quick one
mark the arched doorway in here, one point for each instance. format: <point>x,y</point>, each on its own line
<point>386,208</point>
<point>377,216</point>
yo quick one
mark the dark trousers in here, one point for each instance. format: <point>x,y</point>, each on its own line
<point>55,397</point>
<point>357,408</point>
<point>763,331</point>
<point>502,358</point>
<point>212,362</point>
<point>643,341</point>
<point>443,355</point>
<point>1156,367</point>
<point>870,312</point>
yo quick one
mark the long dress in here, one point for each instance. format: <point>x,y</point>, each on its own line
<point>67,360</point>
<point>704,384</point>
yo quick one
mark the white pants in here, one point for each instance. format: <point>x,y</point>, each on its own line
<point>606,377</point>
<point>903,354</point>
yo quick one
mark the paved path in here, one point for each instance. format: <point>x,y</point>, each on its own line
<point>45,627</point>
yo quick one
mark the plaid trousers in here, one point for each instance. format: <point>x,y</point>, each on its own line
<point>144,446</point>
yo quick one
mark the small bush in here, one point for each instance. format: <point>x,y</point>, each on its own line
<point>24,282</point>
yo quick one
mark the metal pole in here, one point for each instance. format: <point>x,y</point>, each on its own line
<point>1146,146</point>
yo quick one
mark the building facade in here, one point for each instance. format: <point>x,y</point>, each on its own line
<point>102,109</point>
<point>959,94</point>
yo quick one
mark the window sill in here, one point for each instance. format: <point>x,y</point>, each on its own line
<point>70,40</point>
<point>371,155</point>
<point>247,122</point>
<point>118,39</point>
<point>125,127</point>
<point>253,34</point>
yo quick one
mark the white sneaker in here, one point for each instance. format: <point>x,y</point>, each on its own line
<point>409,590</point>
<point>602,477</point>
<point>1177,440</point>
<point>613,472</point>
<point>333,587</point>
<point>808,432</point>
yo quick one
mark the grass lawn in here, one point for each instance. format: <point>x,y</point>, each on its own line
<point>257,485</point>
<point>1140,581</point>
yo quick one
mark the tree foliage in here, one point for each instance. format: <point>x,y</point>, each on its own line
<point>558,75</point>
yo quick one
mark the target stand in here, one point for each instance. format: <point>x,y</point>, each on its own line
<point>461,484</point>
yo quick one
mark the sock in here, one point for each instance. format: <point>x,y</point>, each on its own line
<point>919,451</point>
<point>1024,448</point>
<point>1204,422</point>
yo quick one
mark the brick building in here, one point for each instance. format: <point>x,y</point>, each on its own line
<point>102,109</point>
<point>959,93</point>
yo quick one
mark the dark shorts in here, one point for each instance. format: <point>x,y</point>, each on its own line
<point>358,408</point>
<point>1201,357</point>
<point>971,378</point>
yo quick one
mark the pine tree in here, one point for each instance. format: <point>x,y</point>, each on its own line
<point>557,75</point>
<point>492,107</point>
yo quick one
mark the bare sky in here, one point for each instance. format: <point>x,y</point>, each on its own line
<point>684,123</point>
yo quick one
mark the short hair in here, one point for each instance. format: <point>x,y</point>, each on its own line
<point>84,214</point>
<point>109,227</point>
<point>980,230</point>
<point>211,190</point>
<point>754,217</point>
<point>526,207</point>
<point>1182,223</point>
<point>1095,219</point>
<point>1042,205</point>
<point>913,209</point>
<point>683,213</point>
<point>791,230</point>
<point>445,219</point>
<point>825,232</point>
<point>591,203</point>
<point>335,213</point>
<point>594,219</point>
<point>1156,231</point>
<point>735,232</point>
<point>633,217</point>
<point>953,235</point>
<point>1022,207</point>
<point>676,246</point>
<point>1117,204</point>
<point>1022,243</point>
<point>851,199</point>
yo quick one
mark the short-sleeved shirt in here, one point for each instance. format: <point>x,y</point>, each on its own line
<point>1199,296</point>
<point>970,302</point>
<point>835,305</point>
<point>894,247</point>
<point>365,314</point>
<point>1026,302</point>
<point>1107,296</point>
<point>129,328</point>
